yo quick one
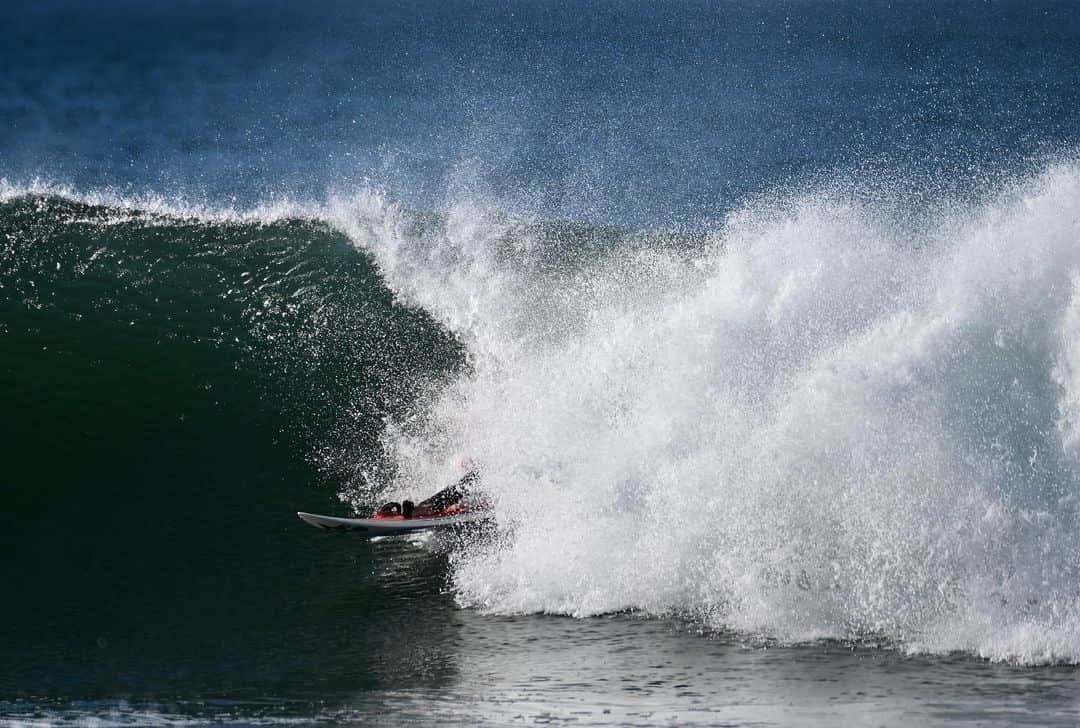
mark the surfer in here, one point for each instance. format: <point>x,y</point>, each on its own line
<point>455,506</point>
<point>446,502</point>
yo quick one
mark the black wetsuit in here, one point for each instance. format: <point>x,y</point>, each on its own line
<point>449,496</point>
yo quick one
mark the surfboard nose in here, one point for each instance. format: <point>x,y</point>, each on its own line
<point>310,518</point>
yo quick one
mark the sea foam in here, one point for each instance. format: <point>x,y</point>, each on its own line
<point>828,421</point>
<point>838,416</point>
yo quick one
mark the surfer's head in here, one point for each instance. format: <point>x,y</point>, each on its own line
<point>391,509</point>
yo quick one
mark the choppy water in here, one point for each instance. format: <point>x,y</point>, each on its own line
<point>760,320</point>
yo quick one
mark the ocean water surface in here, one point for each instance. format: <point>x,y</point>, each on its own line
<point>760,319</point>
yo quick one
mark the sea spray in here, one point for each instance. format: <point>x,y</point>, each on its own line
<point>824,420</point>
<point>821,424</point>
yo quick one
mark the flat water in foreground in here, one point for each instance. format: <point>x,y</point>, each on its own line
<point>403,652</point>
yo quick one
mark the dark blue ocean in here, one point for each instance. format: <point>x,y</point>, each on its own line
<point>760,320</point>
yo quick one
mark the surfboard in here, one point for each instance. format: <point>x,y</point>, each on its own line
<point>390,526</point>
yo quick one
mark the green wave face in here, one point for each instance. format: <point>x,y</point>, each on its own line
<point>172,390</point>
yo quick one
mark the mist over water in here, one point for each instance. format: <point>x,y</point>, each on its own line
<point>832,418</point>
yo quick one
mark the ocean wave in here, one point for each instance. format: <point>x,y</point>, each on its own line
<point>833,416</point>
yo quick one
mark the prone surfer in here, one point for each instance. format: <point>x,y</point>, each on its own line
<point>446,502</point>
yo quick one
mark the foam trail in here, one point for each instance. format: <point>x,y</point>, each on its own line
<point>822,424</point>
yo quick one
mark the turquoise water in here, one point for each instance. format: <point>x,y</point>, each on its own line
<point>760,321</point>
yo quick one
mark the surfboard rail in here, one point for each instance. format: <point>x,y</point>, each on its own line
<point>389,526</point>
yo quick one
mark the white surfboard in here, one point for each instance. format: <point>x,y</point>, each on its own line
<point>390,526</point>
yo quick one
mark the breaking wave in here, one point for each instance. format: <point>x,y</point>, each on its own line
<point>834,416</point>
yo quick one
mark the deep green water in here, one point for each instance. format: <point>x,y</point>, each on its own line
<point>167,387</point>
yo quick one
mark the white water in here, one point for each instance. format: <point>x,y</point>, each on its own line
<point>822,423</point>
<point>825,423</point>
